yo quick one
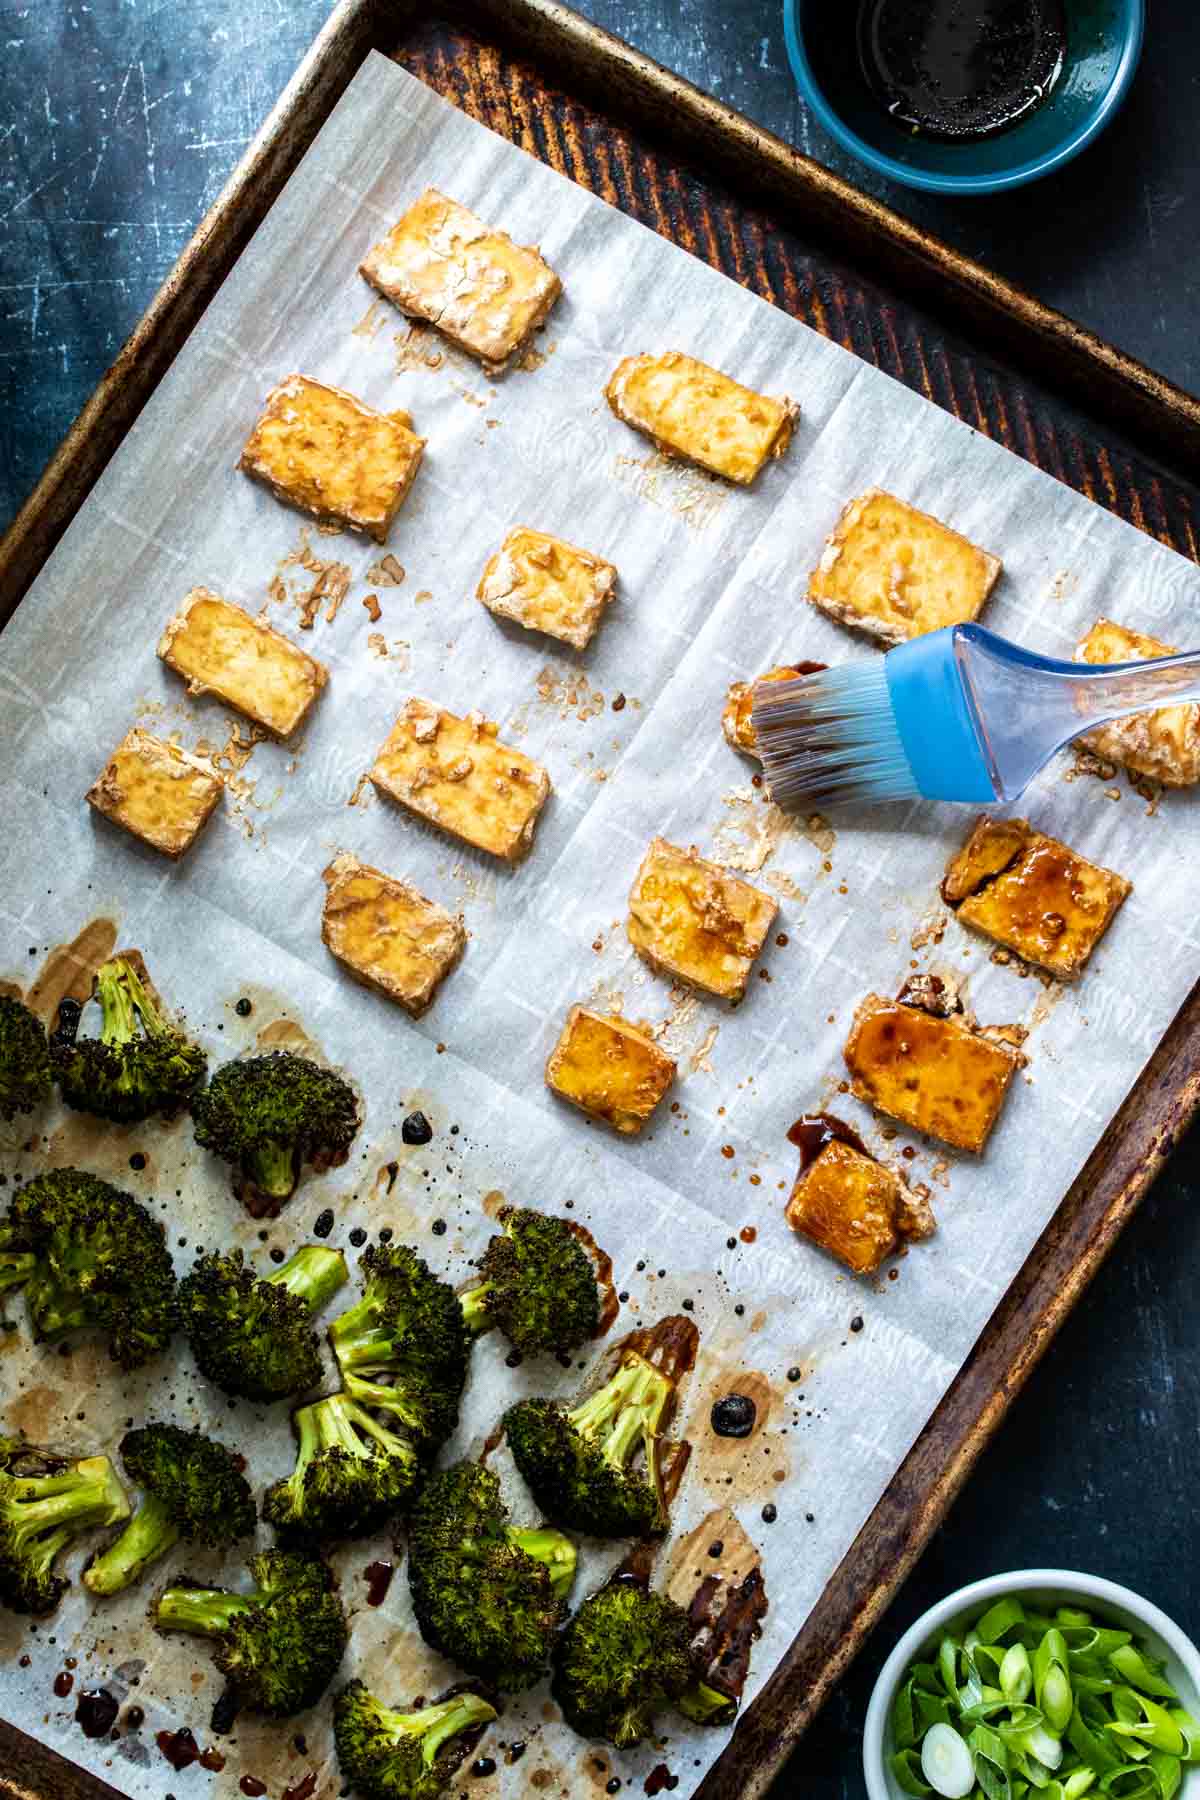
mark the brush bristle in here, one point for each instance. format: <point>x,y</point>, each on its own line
<point>831,737</point>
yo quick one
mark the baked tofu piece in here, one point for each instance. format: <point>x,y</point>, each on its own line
<point>455,773</point>
<point>1032,894</point>
<point>547,585</point>
<point>847,1202</point>
<point>157,791</point>
<point>327,453</point>
<point>897,573</point>
<point>387,934</point>
<point>694,922</point>
<point>737,721</point>
<point>610,1069</point>
<point>441,264</point>
<point>934,1074</point>
<point>221,650</point>
<point>1163,745</point>
<point>699,415</point>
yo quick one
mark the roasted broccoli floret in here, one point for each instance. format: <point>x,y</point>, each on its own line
<point>537,1284</point>
<point>600,1467</point>
<point>624,1658</point>
<point>404,1346</point>
<point>16,1266</point>
<point>386,1755</point>
<point>352,1473</point>
<point>25,1079</point>
<point>278,1647</point>
<point>46,1500</point>
<point>100,1259</point>
<point>252,1334</point>
<point>487,1595</point>
<point>138,1066</point>
<point>268,1116</point>
<point>192,1488</point>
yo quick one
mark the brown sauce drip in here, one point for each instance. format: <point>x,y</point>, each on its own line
<point>815,1131</point>
<point>96,1712</point>
<point>670,1345</point>
<point>212,1760</point>
<point>179,1747</point>
<point>303,1789</point>
<point>660,1777</point>
<point>610,1306</point>
<point>726,1618</point>
<point>67,972</point>
<point>252,1786</point>
<point>63,1684</point>
<point>378,1577</point>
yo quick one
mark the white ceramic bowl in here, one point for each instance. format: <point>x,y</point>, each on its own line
<point>1046,1588</point>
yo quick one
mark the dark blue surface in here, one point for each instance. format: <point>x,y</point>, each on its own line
<point>119,121</point>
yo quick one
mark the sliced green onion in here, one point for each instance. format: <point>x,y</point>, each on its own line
<point>1143,1719</point>
<point>947,1763</point>
<point>1168,1772</point>
<point>1142,1672</point>
<point>1081,1782</point>
<point>999,1619</point>
<point>1190,1731</point>
<point>1072,1615</point>
<point>906,1771</point>
<point>1016,1675</point>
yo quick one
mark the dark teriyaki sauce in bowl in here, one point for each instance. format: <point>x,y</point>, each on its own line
<point>961,69</point>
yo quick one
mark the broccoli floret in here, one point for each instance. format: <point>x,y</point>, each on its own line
<point>138,1066</point>
<point>537,1284</point>
<point>192,1489</point>
<point>278,1647</point>
<point>268,1116</point>
<point>599,1468</point>
<point>487,1595</point>
<point>387,1755</point>
<point>624,1657</point>
<point>351,1474</point>
<point>404,1346</point>
<point>46,1500</point>
<point>252,1334</point>
<point>25,1079</point>
<point>16,1266</point>
<point>100,1259</point>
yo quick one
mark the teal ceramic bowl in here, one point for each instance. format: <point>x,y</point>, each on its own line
<point>1104,45</point>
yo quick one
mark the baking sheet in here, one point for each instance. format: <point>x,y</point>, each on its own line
<point>711,588</point>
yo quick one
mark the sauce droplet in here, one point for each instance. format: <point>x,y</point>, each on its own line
<point>816,1131</point>
<point>303,1789</point>
<point>483,1766</point>
<point>733,1416</point>
<point>323,1223</point>
<point>213,1760</point>
<point>660,1777</point>
<point>244,1008</point>
<point>769,1514</point>
<point>251,1785</point>
<point>179,1747</point>
<point>96,1712</point>
<point>63,1684</point>
<point>416,1129</point>
<point>378,1577</point>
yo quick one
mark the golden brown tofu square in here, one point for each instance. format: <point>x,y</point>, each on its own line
<point>160,793</point>
<point>694,922</point>
<point>387,934</point>
<point>443,265</point>
<point>547,585</point>
<point>219,649</point>
<point>609,1068</point>
<point>455,773</point>
<point>897,573</point>
<point>699,415</point>
<point>1032,894</point>
<point>328,453</point>
<point>935,1074</point>
<point>1163,745</point>
<point>737,721</point>
<point>849,1203</point>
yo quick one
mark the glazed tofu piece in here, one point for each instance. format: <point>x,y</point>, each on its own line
<point>1163,745</point>
<point>610,1069</point>
<point>327,453</point>
<point>737,720</point>
<point>897,573</point>
<point>935,1074</point>
<point>547,585</point>
<point>699,415</point>
<point>849,1203</point>
<point>160,793</point>
<point>455,773</point>
<point>387,934</point>
<point>1032,894</point>
<point>442,265</point>
<point>694,922</point>
<point>221,650</point>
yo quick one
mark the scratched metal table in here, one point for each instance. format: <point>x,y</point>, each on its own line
<point>118,122</point>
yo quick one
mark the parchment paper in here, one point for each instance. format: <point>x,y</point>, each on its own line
<point>712,584</point>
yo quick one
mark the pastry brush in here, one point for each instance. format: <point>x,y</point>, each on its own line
<point>958,714</point>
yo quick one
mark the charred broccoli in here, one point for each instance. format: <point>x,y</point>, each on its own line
<point>583,1466</point>
<point>386,1755</point>
<point>351,1474</point>
<point>192,1489</point>
<point>25,1079</point>
<point>45,1501</point>
<point>537,1284</point>
<point>268,1116</point>
<point>404,1346</point>
<point>487,1595</point>
<point>100,1259</point>
<point>252,1334</point>
<point>138,1066</point>
<point>278,1647</point>
<point>16,1266</point>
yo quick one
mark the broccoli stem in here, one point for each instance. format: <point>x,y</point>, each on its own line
<point>314,1275</point>
<point>55,1308</point>
<point>271,1166</point>
<point>16,1266</point>
<point>391,1400</point>
<point>148,1535</point>
<point>436,1724</point>
<point>207,1612</point>
<point>474,1308</point>
<point>627,1411</point>
<point>705,1705</point>
<point>86,1494</point>
<point>118,1003</point>
<point>552,1548</point>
